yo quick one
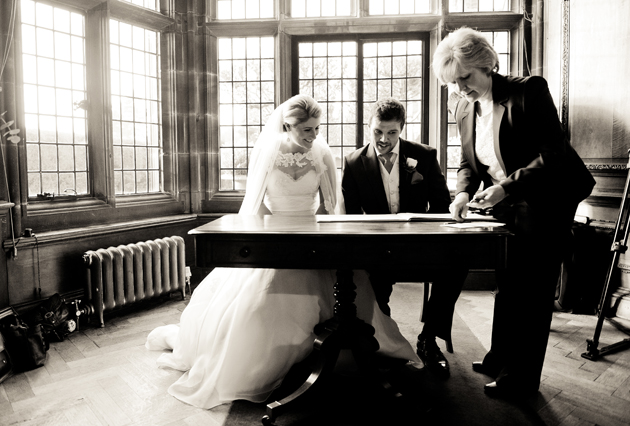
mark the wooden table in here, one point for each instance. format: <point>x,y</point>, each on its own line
<point>303,243</point>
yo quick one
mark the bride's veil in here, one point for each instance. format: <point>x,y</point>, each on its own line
<point>263,158</point>
<point>261,162</point>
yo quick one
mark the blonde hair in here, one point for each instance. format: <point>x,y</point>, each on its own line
<point>300,108</point>
<point>464,48</point>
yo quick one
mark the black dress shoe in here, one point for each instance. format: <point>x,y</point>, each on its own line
<point>495,390</point>
<point>484,368</point>
<point>432,356</point>
<point>479,367</point>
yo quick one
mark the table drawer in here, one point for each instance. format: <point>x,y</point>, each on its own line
<point>315,253</point>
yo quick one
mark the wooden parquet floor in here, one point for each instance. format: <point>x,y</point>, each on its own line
<point>107,377</point>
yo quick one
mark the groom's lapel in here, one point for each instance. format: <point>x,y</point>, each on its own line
<point>373,173</point>
<point>403,176</point>
<point>404,183</point>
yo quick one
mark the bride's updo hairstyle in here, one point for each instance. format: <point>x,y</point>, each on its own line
<point>464,49</point>
<point>300,108</point>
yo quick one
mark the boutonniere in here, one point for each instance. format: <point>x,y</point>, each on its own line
<point>409,165</point>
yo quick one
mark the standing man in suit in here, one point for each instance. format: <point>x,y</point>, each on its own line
<point>392,175</point>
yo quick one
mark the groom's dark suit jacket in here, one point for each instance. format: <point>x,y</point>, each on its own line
<point>364,192</point>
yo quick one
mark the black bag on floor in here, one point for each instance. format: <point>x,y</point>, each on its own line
<point>6,366</point>
<point>25,343</point>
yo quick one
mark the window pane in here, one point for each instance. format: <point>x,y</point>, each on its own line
<point>53,56</point>
<point>395,70</point>
<point>136,104</point>
<point>322,8</point>
<point>455,6</point>
<point>148,4</point>
<point>399,7</point>
<point>246,100</point>
<point>501,42</point>
<point>245,9</point>
<point>328,73</point>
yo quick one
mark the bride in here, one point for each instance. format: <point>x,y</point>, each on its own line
<point>245,328</point>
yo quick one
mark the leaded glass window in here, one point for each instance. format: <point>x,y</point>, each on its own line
<point>399,7</point>
<point>246,100</point>
<point>148,4</point>
<point>322,8</point>
<point>245,9</point>
<point>53,63</point>
<point>136,108</point>
<point>394,69</point>
<point>455,6</point>
<point>328,72</point>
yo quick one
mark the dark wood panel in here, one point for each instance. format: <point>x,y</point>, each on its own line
<point>58,262</point>
<point>315,252</point>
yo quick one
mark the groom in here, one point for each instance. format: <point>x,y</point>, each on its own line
<point>392,175</point>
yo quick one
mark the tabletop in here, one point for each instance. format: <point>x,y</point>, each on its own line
<point>303,242</point>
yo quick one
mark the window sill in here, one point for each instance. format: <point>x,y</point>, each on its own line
<point>223,203</point>
<point>96,231</point>
<point>40,208</point>
<point>66,214</point>
<point>65,205</point>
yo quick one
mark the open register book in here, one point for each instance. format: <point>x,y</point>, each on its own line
<point>401,217</point>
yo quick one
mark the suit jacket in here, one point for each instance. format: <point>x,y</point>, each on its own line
<point>542,168</point>
<point>364,192</point>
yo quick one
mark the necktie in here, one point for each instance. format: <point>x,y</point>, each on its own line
<point>388,160</point>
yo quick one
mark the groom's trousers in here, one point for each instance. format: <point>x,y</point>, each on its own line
<point>439,310</point>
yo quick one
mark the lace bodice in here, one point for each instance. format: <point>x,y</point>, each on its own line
<point>288,196</point>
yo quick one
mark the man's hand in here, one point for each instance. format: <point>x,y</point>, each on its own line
<point>459,207</point>
<point>488,198</point>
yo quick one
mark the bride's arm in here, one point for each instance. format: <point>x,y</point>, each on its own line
<point>321,209</point>
<point>330,171</point>
<point>263,210</point>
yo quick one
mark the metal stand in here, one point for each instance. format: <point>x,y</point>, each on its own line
<point>620,245</point>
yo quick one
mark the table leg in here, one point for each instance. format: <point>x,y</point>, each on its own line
<point>343,331</point>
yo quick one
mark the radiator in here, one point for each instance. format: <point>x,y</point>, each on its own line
<point>123,275</point>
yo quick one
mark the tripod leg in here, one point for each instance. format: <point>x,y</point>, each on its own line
<point>592,353</point>
<point>619,246</point>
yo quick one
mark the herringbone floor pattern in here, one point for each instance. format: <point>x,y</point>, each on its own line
<point>107,377</point>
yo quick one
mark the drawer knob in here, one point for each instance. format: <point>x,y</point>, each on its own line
<point>388,254</point>
<point>245,251</point>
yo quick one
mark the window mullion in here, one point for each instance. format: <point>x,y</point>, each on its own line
<point>360,118</point>
<point>99,110</point>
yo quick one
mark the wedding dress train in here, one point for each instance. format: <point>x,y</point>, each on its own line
<point>244,328</point>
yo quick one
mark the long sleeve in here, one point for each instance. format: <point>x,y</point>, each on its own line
<point>350,190</point>
<point>439,196</point>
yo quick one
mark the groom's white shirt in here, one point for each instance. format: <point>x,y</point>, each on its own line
<point>391,180</point>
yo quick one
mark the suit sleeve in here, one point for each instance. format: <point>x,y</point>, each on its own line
<point>467,179</point>
<point>546,147</point>
<point>350,190</point>
<point>439,195</point>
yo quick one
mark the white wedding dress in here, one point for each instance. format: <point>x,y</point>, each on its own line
<point>244,328</point>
